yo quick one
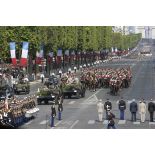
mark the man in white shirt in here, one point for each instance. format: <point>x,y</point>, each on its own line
<point>42,77</point>
<point>60,73</point>
<point>69,70</point>
<point>100,110</point>
<point>75,68</point>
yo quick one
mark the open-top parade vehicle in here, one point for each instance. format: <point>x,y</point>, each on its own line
<point>52,80</point>
<point>73,89</point>
<point>49,95</point>
<point>21,86</point>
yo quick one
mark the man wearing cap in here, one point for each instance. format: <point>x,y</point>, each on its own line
<point>142,110</point>
<point>100,110</point>
<point>151,109</point>
<point>107,106</point>
<point>133,110</point>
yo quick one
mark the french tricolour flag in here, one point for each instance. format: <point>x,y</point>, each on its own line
<point>23,60</point>
<point>59,55</point>
<point>13,53</point>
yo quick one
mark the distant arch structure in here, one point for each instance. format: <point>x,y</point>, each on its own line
<point>148,32</point>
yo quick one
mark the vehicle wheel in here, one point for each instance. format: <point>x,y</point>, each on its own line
<point>39,102</point>
<point>78,95</point>
<point>46,101</point>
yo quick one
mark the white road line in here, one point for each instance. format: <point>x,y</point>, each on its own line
<point>43,122</point>
<point>58,123</point>
<point>93,95</point>
<point>74,124</point>
<point>28,122</point>
<point>105,122</point>
<point>151,123</point>
<point>91,122</point>
<point>121,121</point>
<point>136,123</point>
<point>72,102</point>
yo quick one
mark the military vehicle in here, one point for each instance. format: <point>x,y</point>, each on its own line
<point>21,86</point>
<point>52,80</point>
<point>51,95</point>
<point>73,89</point>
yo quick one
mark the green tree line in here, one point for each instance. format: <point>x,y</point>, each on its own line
<point>78,38</point>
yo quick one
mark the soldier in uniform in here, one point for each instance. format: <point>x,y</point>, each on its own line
<point>122,107</point>
<point>53,115</point>
<point>107,106</point>
<point>151,109</point>
<point>60,109</point>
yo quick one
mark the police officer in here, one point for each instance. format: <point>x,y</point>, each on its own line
<point>53,114</point>
<point>100,110</point>
<point>122,107</point>
<point>107,106</point>
<point>111,122</point>
<point>133,110</point>
<point>151,109</point>
<point>60,109</point>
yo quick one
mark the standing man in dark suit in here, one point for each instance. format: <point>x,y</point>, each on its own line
<point>151,109</point>
<point>122,107</point>
<point>107,106</point>
<point>133,110</point>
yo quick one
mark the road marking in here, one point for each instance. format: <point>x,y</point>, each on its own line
<point>151,123</point>
<point>121,121</point>
<point>91,122</point>
<point>94,95</point>
<point>28,123</point>
<point>58,123</point>
<point>72,102</point>
<point>105,122</point>
<point>62,127</point>
<point>74,124</point>
<point>136,123</point>
<point>43,122</point>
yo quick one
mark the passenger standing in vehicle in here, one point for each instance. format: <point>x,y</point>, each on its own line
<point>151,109</point>
<point>42,77</point>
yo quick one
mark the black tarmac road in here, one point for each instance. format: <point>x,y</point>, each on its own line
<point>82,113</point>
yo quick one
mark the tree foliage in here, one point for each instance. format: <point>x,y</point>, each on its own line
<point>80,38</point>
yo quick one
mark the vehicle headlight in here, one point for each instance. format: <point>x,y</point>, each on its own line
<point>53,96</point>
<point>37,96</point>
<point>75,90</point>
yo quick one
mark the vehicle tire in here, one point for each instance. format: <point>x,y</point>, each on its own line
<point>78,95</point>
<point>46,101</point>
<point>39,102</point>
